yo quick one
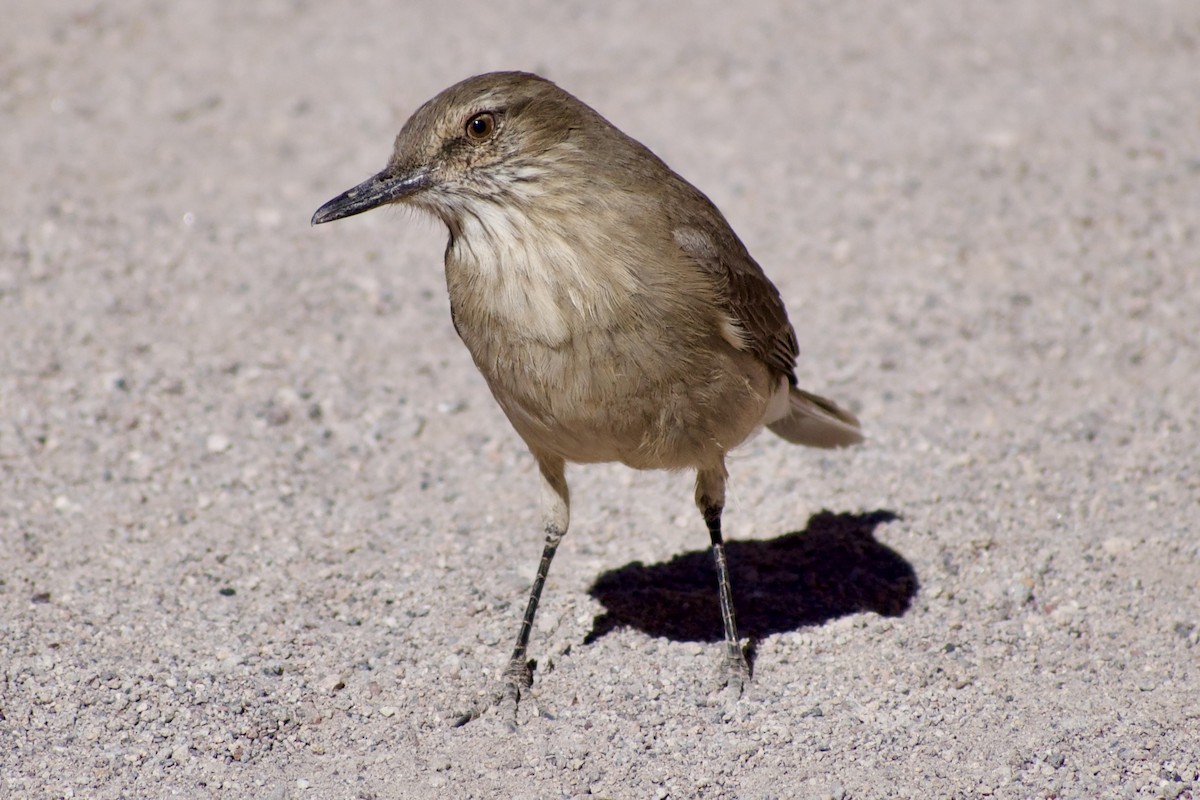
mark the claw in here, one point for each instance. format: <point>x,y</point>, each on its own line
<point>518,676</point>
<point>735,672</point>
<point>733,679</point>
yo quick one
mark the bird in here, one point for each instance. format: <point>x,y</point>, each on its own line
<point>610,307</point>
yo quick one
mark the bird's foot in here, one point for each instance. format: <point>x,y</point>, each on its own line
<point>733,678</point>
<point>517,678</point>
<point>735,671</point>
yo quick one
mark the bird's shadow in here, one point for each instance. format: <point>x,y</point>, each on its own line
<point>832,568</point>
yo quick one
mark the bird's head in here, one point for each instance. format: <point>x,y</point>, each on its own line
<point>493,138</point>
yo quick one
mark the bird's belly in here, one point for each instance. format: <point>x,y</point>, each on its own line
<point>627,396</point>
<point>591,363</point>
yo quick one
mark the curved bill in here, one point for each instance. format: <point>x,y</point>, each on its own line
<point>375,191</point>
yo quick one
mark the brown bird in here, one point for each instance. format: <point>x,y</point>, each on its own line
<point>612,310</point>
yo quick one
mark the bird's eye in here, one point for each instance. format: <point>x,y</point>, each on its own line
<point>481,126</point>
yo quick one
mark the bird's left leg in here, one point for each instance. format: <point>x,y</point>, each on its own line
<point>710,497</point>
<point>556,516</point>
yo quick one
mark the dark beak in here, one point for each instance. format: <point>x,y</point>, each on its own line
<point>375,191</point>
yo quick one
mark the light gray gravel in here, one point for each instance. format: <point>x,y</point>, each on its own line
<point>262,527</point>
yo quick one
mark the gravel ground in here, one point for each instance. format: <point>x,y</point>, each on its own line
<point>262,528</point>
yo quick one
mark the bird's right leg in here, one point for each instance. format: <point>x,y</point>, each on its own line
<point>556,516</point>
<point>710,497</point>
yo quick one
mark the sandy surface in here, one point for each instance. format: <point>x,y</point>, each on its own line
<point>262,527</point>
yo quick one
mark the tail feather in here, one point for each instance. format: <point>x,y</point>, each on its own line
<point>816,422</point>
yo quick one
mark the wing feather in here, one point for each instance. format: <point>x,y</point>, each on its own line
<point>744,293</point>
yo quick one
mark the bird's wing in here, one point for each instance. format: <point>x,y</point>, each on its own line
<point>745,294</point>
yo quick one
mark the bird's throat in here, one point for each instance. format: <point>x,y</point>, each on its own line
<point>506,265</point>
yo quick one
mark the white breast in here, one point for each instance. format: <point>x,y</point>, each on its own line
<point>527,277</point>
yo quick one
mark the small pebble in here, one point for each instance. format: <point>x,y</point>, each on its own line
<point>217,443</point>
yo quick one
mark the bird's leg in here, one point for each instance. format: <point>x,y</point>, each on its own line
<point>518,675</point>
<point>710,497</point>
